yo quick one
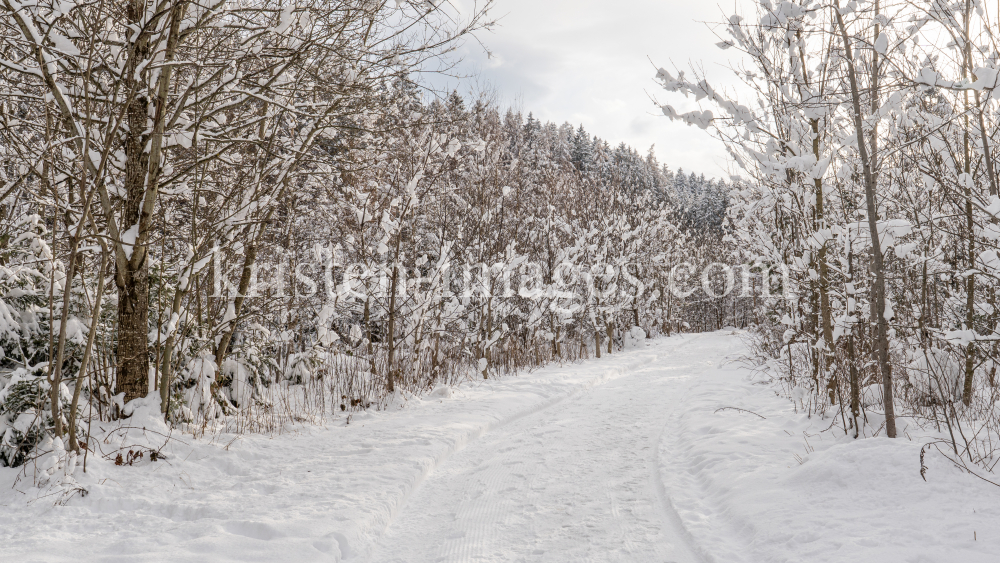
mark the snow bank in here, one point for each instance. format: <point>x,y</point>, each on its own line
<point>757,482</point>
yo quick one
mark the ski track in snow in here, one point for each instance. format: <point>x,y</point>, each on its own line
<point>575,481</point>
<point>626,458</point>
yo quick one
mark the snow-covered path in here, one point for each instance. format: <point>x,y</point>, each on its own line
<point>668,452</point>
<point>577,481</point>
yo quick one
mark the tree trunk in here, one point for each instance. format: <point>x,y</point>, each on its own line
<point>132,355</point>
<point>882,339</point>
<point>230,327</point>
<point>597,340</point>
<point>85,362</point>
<point>390,382</point>
<point>132,366</point>
<point>368,337</point>
<point>611,333</point>
<point>142,174</point>
<point>826,318</point>
<point>970,279</point>
<point>166,365</point>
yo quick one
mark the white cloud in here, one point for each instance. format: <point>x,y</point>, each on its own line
<point>592,62</point>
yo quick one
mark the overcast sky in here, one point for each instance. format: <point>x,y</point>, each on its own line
<point>588,61</point>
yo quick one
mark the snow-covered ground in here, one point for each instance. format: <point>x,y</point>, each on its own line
<point>627,458</point>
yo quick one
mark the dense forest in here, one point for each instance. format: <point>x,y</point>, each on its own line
<point>294,225</point>
<point>247,214</point>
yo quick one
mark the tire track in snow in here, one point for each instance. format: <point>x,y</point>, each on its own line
<point>685,495</point>
<point>670,515</point>
<point>462,442</point>
<point>492,481</point>
<point>488,511</point>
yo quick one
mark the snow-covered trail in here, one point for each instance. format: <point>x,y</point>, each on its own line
<point>667,452</point>
<point>577,481</point>
<point>338,492</point>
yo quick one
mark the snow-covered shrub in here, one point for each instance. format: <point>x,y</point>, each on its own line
<point>299,367</point>
<point>196,383</point>
<point>240,382</point>
<point>634,338</point>
<point>26,413</point>
<point>936,374</point>
<point>55,465</point>
<point>25,270</point>
<point>24,418</point>
<point>26,273</point>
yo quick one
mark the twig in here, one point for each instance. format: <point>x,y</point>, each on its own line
<point>739,409</point>
<point>959,463</point>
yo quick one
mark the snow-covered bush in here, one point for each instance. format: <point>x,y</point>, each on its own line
<point>936,374</point>
<point>26,270</point>
<point>27,275</point>
<point>196,382</point>
<point>24,418</point>
<point>634,338</point>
